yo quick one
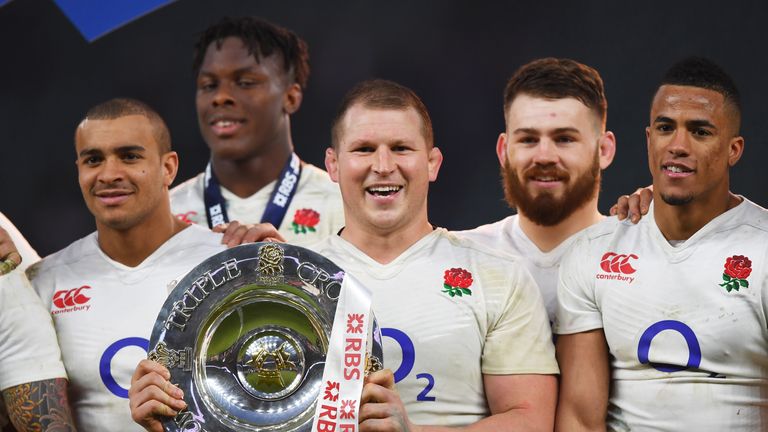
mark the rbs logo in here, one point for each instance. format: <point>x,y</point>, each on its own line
<point>71,300</point>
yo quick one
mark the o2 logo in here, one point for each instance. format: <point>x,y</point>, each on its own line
<point>409,359</point>
<point>694,349</point>
<point>105,363</point>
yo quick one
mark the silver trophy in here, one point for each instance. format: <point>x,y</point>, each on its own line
<point>245,335</point>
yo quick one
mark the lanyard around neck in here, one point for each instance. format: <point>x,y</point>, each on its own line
<point>279,200</point>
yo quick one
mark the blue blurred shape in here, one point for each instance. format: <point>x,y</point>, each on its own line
<point>95,18</point>
<point>4,2</point>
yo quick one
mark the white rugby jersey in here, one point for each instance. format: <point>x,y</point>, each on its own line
<point>686,325</point>
<point>29,350</point>
<point>104,312</point>
<point>507,236</point>
<point>316,210</point>
<point>439,345</point>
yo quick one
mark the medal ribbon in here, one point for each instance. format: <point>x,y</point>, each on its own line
<point>279,200</point>
<point>339,400</point>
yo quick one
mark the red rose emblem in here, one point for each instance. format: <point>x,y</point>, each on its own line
<point>458,277</point>
<point>457,282</point>
<point>737,270</point>
<point>305,220</point>
<point>738,267</point>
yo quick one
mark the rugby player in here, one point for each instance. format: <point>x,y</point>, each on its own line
<point>251,75</point>
<point>669,314</point>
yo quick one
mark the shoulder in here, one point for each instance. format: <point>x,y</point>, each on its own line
<point>316,181</point>
<point>488,232</point>
<point>192,186</point>
<point>486,260</point>
<point>751,214</point>
<point>78,252</point>
<point>198,236</point>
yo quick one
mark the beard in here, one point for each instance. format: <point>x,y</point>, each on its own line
<point>676,200</point>
<point>545,209</point>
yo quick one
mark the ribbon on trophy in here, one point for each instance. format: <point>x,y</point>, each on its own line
<point>346,361</point>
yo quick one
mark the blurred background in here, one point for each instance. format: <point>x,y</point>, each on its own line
<point>457,55</point>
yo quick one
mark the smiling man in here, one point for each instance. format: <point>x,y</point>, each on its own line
<point>251,75</point>
<point>677,329</point>
<point>464,327</point>
<point>551,155</point>
<point>105,290</point>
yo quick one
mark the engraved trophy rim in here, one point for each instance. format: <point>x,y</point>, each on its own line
<point>245,334</point>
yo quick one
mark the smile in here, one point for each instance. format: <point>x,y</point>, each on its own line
<point>383,190</point>
<point>677,170</point>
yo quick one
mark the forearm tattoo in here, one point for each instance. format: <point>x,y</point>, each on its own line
<point>40,406</point>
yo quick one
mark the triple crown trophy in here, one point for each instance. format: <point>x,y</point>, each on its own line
<point>267,337</point>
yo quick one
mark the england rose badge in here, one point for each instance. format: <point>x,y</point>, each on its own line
<point>737,270</point>
<point>456,282</point>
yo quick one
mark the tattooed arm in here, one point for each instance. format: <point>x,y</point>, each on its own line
<point>40,406</point>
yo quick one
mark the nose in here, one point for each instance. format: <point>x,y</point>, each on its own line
<point>383,161</point>
<point>545,152</point>
<point>223,95</point>
<point>111,171</point>
<point>679,144</point>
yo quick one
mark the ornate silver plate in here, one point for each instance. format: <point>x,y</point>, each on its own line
<point>245,334</point>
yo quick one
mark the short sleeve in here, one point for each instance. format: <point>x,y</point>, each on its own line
<point>577,310</point>
<point>29,350</point>
<point>28,255</point>
<point>519,340</point>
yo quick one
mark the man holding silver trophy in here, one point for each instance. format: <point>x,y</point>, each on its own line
<point>466,324</point>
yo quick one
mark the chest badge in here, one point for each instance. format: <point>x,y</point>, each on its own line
<point>457,282</point>
<point>305,220</point>
<point>737,270</point>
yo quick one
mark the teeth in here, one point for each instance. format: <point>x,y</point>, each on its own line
<point>224,123</point>
<point>674,169</point>
<point>545,179</point>
<point>383,189</point>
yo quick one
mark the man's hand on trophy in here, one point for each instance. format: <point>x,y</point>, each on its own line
<point>634,206</point>
<point>380,406</point>
<point>152,396</point>
<point>236,233</point>
<point>9,256</point>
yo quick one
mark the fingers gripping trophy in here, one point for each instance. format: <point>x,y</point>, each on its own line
<point>266,336</point>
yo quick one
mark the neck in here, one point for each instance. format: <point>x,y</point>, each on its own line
<point>383,246</point>
<point>245,177</point>
<point>680,222</point>
<point>132,246</point>
<point>547,238</point>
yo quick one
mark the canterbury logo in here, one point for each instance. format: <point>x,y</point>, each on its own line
<point>615,263</point>
<point>68,298</point>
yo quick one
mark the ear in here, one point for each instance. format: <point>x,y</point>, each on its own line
<point>501,148</point>
<point>735,150</point>
<point>292,98</point>
<point>170,163</point>
<point>607,148</point>
<point>434,162</point>
<point>332,164</point>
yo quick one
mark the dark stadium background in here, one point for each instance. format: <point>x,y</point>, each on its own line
<point>457,55</point>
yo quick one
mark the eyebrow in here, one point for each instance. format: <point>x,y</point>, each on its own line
<point>532,131</point>
<point>690,124</point>
<point>121,149</point>
<point>242,70</point>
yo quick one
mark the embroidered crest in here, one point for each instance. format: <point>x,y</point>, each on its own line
<point>456,282</point>
<point>305,220</point>
<point>737,270</point>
